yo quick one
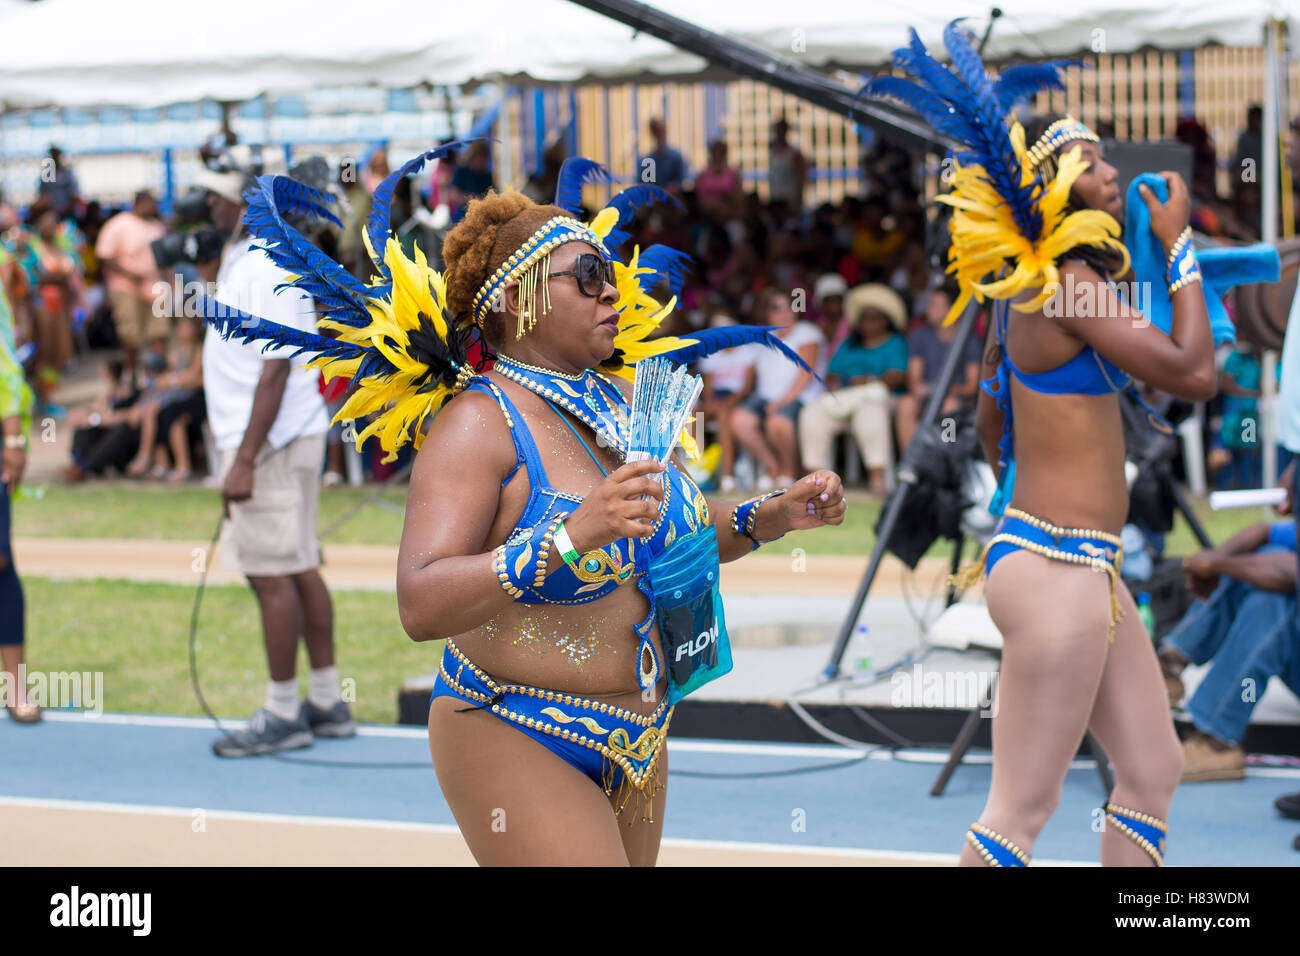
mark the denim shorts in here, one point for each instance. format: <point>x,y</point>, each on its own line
<point>757,404</point>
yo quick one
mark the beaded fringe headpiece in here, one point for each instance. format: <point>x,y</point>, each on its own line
<point>1041,156</point>
<point>529,282</point>
<point>530,265</point>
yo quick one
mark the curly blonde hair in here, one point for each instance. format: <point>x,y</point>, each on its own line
<point>493,228</point>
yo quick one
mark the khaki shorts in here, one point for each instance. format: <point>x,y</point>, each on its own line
<point>135,321</point>
<point>273,533</point>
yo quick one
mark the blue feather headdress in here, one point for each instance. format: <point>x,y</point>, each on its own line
<point>1011,221</point>
<point>396,338</point>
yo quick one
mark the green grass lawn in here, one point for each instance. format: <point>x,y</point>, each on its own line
<point>187,513</point>
<point>137,634</point>
<point>125,510</point>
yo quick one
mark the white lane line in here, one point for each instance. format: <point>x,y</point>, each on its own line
<point>146,809</point>
<point>678,744</point>
<point>202,723</point>
<point>403,825</point>
<point>689,745</point>
<point>681,745</point>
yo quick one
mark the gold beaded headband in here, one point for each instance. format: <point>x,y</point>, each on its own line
<point>530,264</point>
<point>1064,130</point>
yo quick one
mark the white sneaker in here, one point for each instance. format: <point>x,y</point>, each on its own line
<point>728,484</point>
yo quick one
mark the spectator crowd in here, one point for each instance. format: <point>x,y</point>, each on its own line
<point>848,284</point>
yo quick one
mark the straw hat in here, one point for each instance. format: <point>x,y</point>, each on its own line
<point>876,295</point>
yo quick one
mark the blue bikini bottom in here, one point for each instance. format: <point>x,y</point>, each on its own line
<point>616,748</point>
<point>1020,531</point>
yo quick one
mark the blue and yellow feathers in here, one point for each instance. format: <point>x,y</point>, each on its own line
<point>396,338</point>
<point>1009,225</point>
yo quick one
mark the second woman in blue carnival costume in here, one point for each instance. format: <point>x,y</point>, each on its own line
<point>1035,233</point>
<point>527,536</point>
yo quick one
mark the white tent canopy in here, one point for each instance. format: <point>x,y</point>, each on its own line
<point>155,52</point>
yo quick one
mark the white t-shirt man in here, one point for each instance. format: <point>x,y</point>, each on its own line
<point>247,281</point>
<point>775,373</point>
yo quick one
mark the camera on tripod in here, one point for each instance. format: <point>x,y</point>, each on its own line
<point>195,238</point>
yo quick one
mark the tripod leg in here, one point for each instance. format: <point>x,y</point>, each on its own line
<point>958,545</point>
<point>959,748</point>
<point>1185,509</point>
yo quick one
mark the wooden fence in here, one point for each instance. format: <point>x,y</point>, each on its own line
<point>1140,95</point>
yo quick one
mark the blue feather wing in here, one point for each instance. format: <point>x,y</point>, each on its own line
<point>667,263</point>
<point>379,222</point>
<point>574,172</point>
<point>291,196</point>
<point>708,341</point>
<point>336,292</point>
<point>1025,79</point>
<point>627,202</point>
<point>933,108</point>
<point>916,59</point>
<point>967,64</point>
<point>992,148</point>
<point>230,322</point>
<point>965,103</point>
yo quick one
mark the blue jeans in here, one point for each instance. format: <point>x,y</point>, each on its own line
<point>1295,512</point>
<point>11,589</point>
<point>1251,636</point>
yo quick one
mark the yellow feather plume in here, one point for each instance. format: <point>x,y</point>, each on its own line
<point>639,315</point>
<point>400,409</point>
<point>986,239</point>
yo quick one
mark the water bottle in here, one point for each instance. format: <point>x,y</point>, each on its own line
<point>860,653</point>
<point>1147,614</point>
<point>1137,562</point>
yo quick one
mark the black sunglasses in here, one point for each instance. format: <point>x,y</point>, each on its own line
<point>592,272</point>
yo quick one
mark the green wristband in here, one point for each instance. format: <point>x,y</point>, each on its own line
<point>567,551</point>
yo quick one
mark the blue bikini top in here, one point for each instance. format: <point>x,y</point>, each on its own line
<point>1088,373</point>
<point>600,570</point>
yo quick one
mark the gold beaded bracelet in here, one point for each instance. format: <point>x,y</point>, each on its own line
<point>502,575</point>
<point>544,549</point>
<point>1181,251</point>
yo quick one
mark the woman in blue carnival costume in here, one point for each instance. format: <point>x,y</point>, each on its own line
<point>1035,230</point>
<point>526,534</point>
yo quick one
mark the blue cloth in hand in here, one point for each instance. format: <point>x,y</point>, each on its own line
<point>1221,268</point>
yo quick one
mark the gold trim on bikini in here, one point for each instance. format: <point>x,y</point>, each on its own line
<point>1099,559</point>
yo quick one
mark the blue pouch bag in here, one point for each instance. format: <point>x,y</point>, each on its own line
<point>684,579</point>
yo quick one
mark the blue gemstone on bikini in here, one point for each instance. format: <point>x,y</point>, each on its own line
<point>592,565</point>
